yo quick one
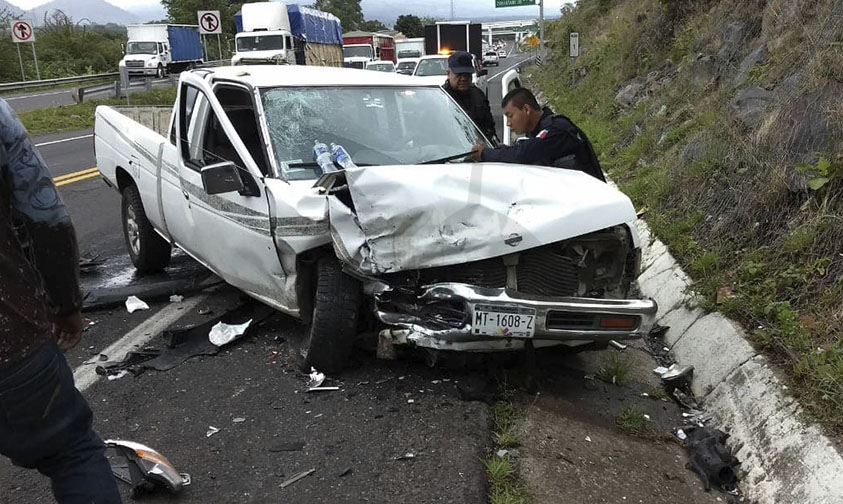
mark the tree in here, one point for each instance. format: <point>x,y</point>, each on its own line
<point>411,26</point>
<point>348,11</point>
<point>428,20</point>
<point>372,25</point>
<point>184,11</point>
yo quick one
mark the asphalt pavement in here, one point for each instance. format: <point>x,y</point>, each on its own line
<point>395,431</point>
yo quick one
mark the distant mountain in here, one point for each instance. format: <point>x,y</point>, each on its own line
<point>11,9</point>
<point>146,13</point>
<point>97,11</point>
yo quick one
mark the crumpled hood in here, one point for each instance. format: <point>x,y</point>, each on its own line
<point>421,216</point>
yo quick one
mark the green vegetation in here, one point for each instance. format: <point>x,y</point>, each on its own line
<point>504,487</point>
<point>751,207</point>
<point>632,420</point>
<point>614,369</point>
<point>81,116</point>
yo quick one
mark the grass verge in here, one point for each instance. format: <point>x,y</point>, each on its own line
<point>81,116</point>
<point>504,486</point>
<point>633,420</point>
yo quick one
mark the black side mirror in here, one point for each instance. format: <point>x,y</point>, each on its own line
<point>221,178</point>
<point>483,72</point>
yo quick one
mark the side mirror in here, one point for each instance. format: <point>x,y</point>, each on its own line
<point>123,49</point>
<point>483,73</point>
<point>221,178</point>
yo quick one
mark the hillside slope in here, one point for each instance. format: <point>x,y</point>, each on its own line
<point>722,119</point>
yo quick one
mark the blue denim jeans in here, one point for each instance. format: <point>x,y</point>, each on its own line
<point>45,424</point>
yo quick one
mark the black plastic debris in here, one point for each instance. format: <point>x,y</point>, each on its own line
<point>710,458</point>
<point>658,331</point>
<point>99,298</point>
<point>286,446</point>
<point>183,344</point>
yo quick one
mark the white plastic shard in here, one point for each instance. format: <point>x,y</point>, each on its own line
<point>316,379</point>
<point>133,304</point>
<point>222,334</point>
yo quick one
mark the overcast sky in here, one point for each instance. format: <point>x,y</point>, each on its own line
<point>440,8</point>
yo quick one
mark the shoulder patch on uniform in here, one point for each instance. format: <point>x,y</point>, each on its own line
<point>542,134</point>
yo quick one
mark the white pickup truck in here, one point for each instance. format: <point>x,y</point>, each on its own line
<point>416,241</point>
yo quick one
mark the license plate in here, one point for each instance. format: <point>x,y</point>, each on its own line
<point>503,321</point>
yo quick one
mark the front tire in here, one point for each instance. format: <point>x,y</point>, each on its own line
<point>149,252</point>
<point>160,72</point>
<point>333,328</point>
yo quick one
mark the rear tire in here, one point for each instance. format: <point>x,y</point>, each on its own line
<point>333,328</point>
<point>149,252</point>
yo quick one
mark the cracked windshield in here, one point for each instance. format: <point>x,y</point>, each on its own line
<point>376,126</point>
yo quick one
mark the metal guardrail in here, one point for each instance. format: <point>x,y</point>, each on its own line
<point>52,82</point>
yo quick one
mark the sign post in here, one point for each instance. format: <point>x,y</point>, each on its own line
<point>574,51</point>
<point>22,32</point>
<point>209,24</point>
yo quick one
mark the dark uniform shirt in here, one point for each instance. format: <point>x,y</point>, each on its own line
<point>557,142</point>
<point>39,261</point>
<point>476,105</point>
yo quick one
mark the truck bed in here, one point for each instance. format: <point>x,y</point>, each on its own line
<point>156,118</point>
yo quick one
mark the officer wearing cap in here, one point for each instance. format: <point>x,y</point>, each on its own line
<point>552,140</point>
<point>461,88</point>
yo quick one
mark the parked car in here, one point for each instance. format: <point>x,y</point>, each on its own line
<point>434,69</point>
<point>407,66</point>
<point>491,58</point>
<point>381,66</point>
<point>538,254</point>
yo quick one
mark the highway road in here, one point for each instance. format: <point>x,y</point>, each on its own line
<point>33,100</point>
<point>395,431</point>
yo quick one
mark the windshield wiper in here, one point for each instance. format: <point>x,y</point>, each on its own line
<point>446,159</point>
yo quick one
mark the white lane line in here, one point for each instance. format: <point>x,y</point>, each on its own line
<point>505,70</point>
<point>86,375</point>
<point>64,140</point>
<point>37,95</point>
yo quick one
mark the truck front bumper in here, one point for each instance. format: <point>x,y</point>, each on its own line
<point>443,317</point>
<point>152,71</point>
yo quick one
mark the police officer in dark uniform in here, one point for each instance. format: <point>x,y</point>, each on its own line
<point>469,96</point>
<point>553,140</point>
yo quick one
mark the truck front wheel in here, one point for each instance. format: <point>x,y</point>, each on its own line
<point>336,305</point>
<point>149,252</point>
<point>160,72</point>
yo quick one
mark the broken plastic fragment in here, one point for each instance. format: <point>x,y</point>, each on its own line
<point>618,345</point>
<point>660,370</point>
<point>588,438</point>
<point>134,304</point>
<point>681,434</point>
<point>406,456</point>
<point>117,376</point>
<point>502,453</point>
<point>239,420</point>
<point>222,333</point>
<point>297,477</point>
<point>323,389</point>
<point>316,379</point>
<point>146,468</point>
<point>211,431</point>
<point>175,298</point>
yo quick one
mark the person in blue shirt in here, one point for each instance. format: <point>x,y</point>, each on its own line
<point>552,139</point>
<point>45,422</point>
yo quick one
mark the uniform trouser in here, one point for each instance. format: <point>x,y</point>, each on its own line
<point>45,424</point>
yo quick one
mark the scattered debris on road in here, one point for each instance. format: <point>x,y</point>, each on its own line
<point>119,375</point>
<point>406,456</point>
<point>211,431</point>
<point>144,468</point>
<point>678,376</point>
<point>239,420</point>
<point>297,477</point>
<point>709,457</point>
<point>618,345</point>
<point>316,379</point>
<point>222,333</point>
<point>175,298</point>
<point>133,304</point>
<point>323,389</point>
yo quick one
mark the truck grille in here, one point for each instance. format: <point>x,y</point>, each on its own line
<point>542,271</point>
<point>355,64</point>
<point>134,63</point>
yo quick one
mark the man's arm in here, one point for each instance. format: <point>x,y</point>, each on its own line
<point>551,146</point>
<point>35,199</point>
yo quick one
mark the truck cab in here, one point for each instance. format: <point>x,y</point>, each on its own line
<point>264,47</point>
<point>146,57</point>
<point>357,55</point>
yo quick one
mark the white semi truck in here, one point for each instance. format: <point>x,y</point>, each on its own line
<point>155,49</point>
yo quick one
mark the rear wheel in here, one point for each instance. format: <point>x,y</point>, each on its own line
<point>149,252</point>
<point>333,328</point>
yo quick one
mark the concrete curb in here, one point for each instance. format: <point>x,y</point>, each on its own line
<point>784,460</point>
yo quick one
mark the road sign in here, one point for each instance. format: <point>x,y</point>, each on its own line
<point>22,31</point>
<point>209,22</point>
<point>575,45</point>
<point>533,41</point>
<point>514,3</point>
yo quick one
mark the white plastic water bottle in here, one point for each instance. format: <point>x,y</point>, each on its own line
<point>322,156</point>
<point>341,157</point>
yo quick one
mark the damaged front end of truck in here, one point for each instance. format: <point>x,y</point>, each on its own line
<point>458,257</point>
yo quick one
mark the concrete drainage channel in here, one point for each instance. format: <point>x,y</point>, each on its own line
<point>783,458</point>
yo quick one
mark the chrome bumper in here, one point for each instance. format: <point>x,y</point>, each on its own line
<point>568,320</point>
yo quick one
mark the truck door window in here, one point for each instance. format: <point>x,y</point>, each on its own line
<point>240,109</point>
<point>204,141</point>
<point>160,48</point>
<point>288,42</point>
